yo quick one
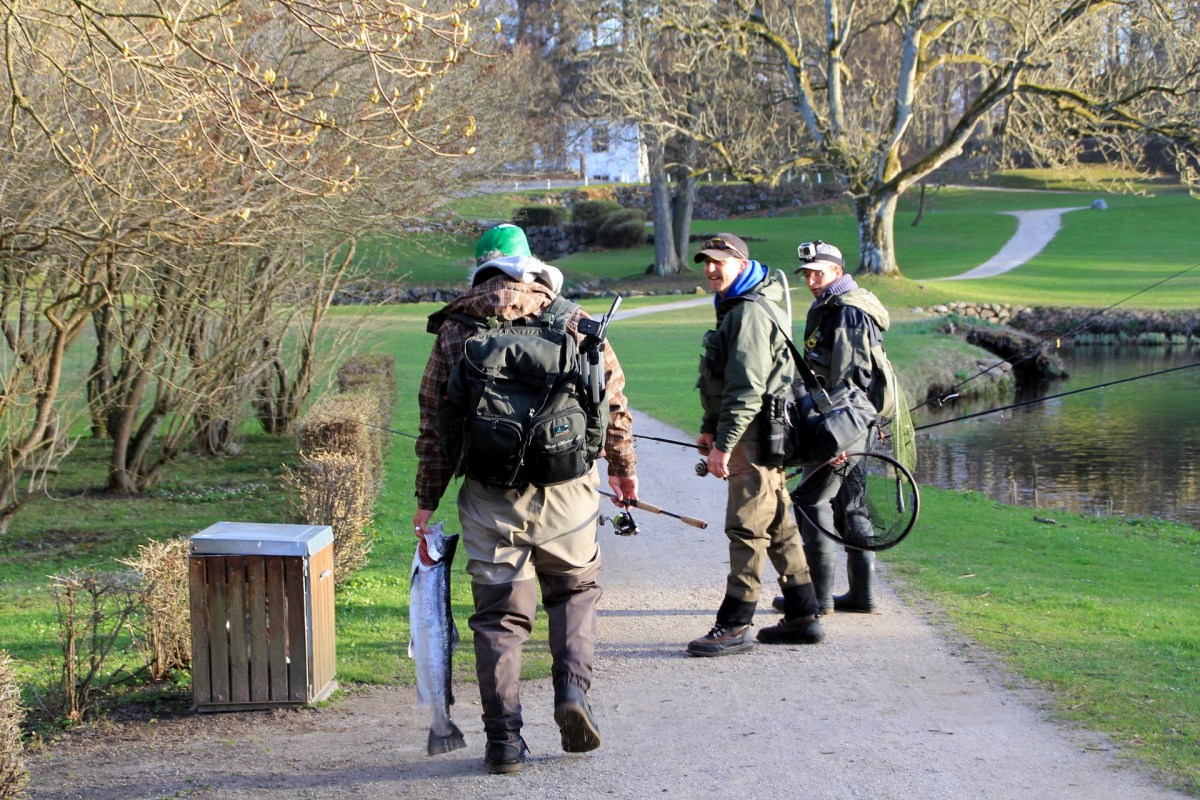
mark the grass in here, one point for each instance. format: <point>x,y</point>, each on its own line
<point>1099,610</point>
<point>1087,264</point>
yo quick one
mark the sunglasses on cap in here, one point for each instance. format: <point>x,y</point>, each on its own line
<point>717,243</point>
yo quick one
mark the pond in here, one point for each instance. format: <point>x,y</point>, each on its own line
<point>1129,449</point>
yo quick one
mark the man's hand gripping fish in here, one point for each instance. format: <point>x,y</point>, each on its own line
<point>434,636</point>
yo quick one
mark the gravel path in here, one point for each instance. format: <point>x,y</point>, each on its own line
<point>887,707</point>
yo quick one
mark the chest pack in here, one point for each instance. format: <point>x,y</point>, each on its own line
<point>517,409</point>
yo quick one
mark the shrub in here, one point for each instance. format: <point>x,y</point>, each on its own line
<point>625,228</point>
<point>94,609</point>
<point>334,489</point>
<point>344,423</point>
<point>163,624</point>
<point>376,373</point>
<point>531,216</point>
<point>340,473</point>
<point>589,215</point>
<point>13,775</point>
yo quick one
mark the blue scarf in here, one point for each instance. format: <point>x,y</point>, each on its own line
<point>746,280</point>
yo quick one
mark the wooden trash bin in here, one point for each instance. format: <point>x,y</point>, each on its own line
<point>262,615</point>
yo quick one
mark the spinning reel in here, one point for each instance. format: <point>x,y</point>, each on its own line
<point>623,523</point>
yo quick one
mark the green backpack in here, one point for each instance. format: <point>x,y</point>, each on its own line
<point>517,410</point>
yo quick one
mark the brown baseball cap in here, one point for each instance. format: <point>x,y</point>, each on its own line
<point>721,247</point>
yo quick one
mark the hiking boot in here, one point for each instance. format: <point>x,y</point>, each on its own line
<point>574,718</point>
<point>505,756</point>
<point>805,630</point>
<point>722,640</point>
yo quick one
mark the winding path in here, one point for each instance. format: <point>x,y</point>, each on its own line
<point>1035,230</point>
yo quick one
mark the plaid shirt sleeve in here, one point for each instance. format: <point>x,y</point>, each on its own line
<point>618,443</point>
<point>435,469</point>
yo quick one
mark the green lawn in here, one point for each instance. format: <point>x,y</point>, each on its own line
<point>1088,263</point>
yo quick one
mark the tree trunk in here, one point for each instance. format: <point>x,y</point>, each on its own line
<point>682,206</point>
<point>876,214</point>
<point>666,253</point>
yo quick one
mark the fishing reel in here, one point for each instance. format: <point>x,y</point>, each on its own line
<point>622,522</point>
<point>702,467</point>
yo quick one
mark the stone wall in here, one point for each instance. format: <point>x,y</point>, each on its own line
<point>1088,325</point>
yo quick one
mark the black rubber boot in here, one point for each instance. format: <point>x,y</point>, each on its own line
<point>860,569</point>
<point>821,567</point>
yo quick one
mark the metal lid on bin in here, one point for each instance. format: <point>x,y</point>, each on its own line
<point>261,539</point>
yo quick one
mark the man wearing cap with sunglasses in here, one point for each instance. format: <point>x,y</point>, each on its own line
<point>844,321</point>
<point>746,364</point>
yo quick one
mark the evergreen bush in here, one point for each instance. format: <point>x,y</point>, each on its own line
<point>624,228</point>
<point>589,215</point>
<point>533,216</point>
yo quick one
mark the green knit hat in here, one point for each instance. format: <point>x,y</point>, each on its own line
<point>502,240</point>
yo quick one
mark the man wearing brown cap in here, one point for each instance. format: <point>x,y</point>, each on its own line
<point>746,366</point>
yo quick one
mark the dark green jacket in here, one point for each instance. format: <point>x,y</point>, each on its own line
<point>838,336</point>
<point>745,359</point>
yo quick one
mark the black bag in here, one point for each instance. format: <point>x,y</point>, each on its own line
<point>825,423</point>
<point>820,423</point>
<point>516,408</point>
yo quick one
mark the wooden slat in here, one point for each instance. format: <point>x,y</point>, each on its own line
<point>299,653</point>
<point>256,596</point>
<point>276,629</point>
<point>201,680</point>
<point>217,632</point>
<point>239,647</point>
<point>322,633</point>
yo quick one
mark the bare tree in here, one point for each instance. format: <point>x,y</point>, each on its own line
<point>637,72</point>
<point>167,172</point>
<point>864,83</point>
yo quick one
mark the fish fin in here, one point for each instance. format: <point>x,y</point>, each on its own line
<point>453,636</point>
<point>445,744</point>
<point>410,648</point>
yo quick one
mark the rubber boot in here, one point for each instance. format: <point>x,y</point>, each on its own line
<point>821,567</point>
<point>860,569</point>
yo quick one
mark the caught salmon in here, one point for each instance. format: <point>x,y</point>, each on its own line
<point>434,637</point>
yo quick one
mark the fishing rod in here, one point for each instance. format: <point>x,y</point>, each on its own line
<point>1009,407</point>
<point>644,506</point>
<point>1033,349</point>
<point>1036,400</point>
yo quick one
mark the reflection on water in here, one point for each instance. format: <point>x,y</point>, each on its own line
<point>1129,449</point>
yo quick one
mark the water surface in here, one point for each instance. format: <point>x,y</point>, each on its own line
<point>1130,449</point>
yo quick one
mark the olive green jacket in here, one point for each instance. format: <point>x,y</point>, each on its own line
<point>745,359</point>
<point>839,333</point>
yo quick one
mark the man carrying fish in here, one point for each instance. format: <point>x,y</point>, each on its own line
<point>508,401</point>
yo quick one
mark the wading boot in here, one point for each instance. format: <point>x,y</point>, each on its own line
<point>574,718</point>
<point>801,623</point>
<point>860,569</point>
<point>731,634</point>
<point>505,756</point>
